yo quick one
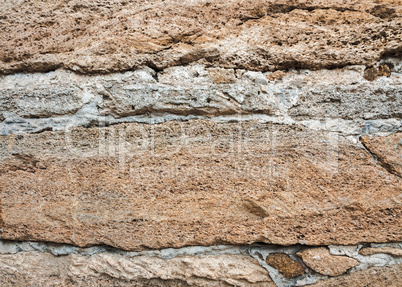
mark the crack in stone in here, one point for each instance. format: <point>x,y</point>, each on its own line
<point>380,161</point>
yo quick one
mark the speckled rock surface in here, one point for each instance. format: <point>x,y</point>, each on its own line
<point>116,35</point>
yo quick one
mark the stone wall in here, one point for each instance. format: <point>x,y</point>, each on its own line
<point>200,143</point>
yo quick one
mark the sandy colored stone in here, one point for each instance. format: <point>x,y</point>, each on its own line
<point>285,265</point>
<point>137,186</point>
<point>320,260</point>
<point>387,250</point>
<point>388,276</point>
<point>222,76</point>
<point>276,75</point>
<point>119,35</point>
<point>387,150</point>
<point>44,269</point>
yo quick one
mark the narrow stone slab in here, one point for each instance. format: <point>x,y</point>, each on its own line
<point>107,269</point>
<point>176,184</point>
<point>386,276</point>
<point>320,260</point>
<point>387,250</point>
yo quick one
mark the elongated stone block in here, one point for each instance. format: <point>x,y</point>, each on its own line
<point>137,186</point>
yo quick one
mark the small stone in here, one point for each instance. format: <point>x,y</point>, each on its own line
<point>320,260</point>
<point>386,250</point>
<point>222,76</point>
<point>275,76</point>
<point>373,73</point>
<point>285,265</point>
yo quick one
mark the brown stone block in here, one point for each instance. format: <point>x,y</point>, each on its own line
<point>285,265</point>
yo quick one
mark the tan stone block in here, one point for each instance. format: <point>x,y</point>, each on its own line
<point>320,260</point>
<point>386,250</point>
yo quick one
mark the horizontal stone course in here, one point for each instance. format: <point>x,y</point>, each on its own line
<point>195,183</point>
<point>59,100</point>
<point>264,35</point>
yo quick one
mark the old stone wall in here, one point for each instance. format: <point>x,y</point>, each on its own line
<point>200,143</point>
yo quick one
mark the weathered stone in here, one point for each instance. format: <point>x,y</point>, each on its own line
<point>386,250</point>
<point>373,277</point>
<point>175,184</point>
<point>44,269</point>
<point>314,75</point>
<point>285,265</point>
<point>387,150</point>
<point>116,35</point>
<point>320,260</point>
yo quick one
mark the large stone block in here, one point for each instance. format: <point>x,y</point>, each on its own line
<point>137,186</point>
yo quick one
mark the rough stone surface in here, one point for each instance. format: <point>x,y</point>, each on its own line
<point>320,260</point>
<point>195,183</point>
<point>43,269</point>
<point>285,265</point>
<point>164,142</point>
<point>386,250</point>
<point>117,35</point>
<point>387,150</point>
<point>373,277</point>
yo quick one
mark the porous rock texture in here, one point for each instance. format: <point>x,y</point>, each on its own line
<point>200,143</point>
